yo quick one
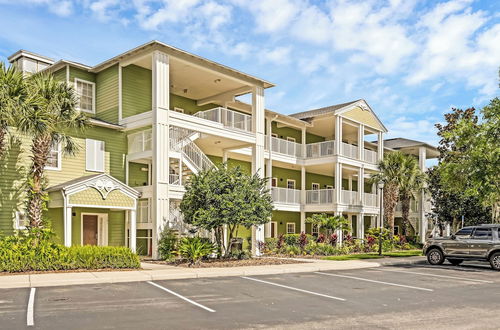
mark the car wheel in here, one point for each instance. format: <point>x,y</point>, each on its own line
<point>435,257</point>
<point>495,261</point>
<point>455,262</point>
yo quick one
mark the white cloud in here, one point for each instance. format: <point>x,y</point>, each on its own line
<point>272,16</point>
<point>420,130</point>
<point>278,55</point>
<point>58,7</point>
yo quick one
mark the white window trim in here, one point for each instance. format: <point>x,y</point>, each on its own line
<point>294,183</point>
<point>328,186</point>
<point>314,225</point>
<point>177,109</point>
<point>93,95</point>
<point>274,180</point>
<point>16,224</point>
<point>291,139</point>
<point>103,156</point>
<point>294,229</point>
<point>274,225</point>
<point>274,135</point>
<point>59,160</point>
<point>314,183</point>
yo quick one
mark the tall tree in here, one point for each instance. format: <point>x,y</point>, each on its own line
<point>13,95</point>
<point>226,197</point>
<point>391,172</point>
<point>50,121</point>
<point>411,185</point>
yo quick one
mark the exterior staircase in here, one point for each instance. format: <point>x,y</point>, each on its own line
<point>182,141</point>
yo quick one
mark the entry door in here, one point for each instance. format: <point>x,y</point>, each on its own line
<point>90,230</point>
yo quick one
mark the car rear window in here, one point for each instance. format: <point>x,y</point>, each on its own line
<point>482,233</point>
<point>464,232</point>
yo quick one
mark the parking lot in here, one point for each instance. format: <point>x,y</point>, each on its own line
<point>413,296</point>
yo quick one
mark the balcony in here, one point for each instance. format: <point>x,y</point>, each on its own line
<point>228,118</point>
<point>370,156</point>
<point>282,146</point>
<point>320,149</point>
<point>174,179</point>
<point>349,197</point>
<point>140,141</point>
<point>320,196</point>
<point>349,150</point>
<point>285,195</point>
<point>370,199</point>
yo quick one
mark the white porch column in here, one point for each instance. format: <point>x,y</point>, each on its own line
<point>67,225</point>
<point>422,155</point>
<point>180,171</point>
<point>302,221</point>
<point>133,230</point>
<point>338,134</point>
<point>361,184</point>
<point>361,142</point>
<point>360,226</point>
<point>160,160</point>
<point>380,146</point>
<point>339,233</point>
<point>303,185</point>
<point>338,182</point>
<point>269,169</point>
<point>258,126</point>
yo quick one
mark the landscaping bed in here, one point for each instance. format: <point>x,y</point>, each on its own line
<point>212,263</point>
<point>374,255</point>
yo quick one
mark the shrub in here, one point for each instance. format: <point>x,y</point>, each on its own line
<point>303,239</point>
<point>281,242</point>
<point>291,239</point>
<point>271,244</point>
<point>240,254</point>
<point>34,251</point>
<point>332,239</point>
<point>321,238</point>
<point>292,250</point>
<point>167,244</point>
<point>194,249</point>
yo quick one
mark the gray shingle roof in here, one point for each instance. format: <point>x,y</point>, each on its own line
<point>322,111</point>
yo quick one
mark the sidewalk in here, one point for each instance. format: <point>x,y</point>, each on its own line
<point>153,272</point>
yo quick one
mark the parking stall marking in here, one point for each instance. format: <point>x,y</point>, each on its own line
<point>294,289</point>
<point>436,275</point>
<point>30,320</point>
<point>375,281</point>
<point>182,297</point>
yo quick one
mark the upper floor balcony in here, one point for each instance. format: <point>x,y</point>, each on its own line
<point>285,195</point>
<point>228,118</point>
<point>320,196</point>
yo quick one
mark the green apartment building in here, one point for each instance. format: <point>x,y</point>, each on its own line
<point>160,114</point>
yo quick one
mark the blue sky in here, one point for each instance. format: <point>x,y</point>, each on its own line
<point>410,60</point>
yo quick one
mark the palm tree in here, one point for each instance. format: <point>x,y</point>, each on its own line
<point>329,223</point>
<point>391,173</point>
<point>13,95</point>
<point>412,182</point>
<point>50,121</point>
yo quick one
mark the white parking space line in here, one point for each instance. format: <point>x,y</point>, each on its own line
<point>435,275</point>
<point>294,289</point>
<point>374,281</point>
<point>30,320</point>
<point>182,297</point>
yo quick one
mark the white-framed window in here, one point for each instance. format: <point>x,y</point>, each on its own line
<point>274,229</point>
<point>291,139</point>
<point>329,187</point>
<point>274,182</point>
<point>86,95</point>
<point>21,221</point>
<point>177,109</point>
<point>315,186</point>
<point>290,227</point>
<point>314,229</point>
<point>94,155</point>
<point>54,158</point>
<point>143,211</point>
<point>290,184</point>
<point>274,135</point>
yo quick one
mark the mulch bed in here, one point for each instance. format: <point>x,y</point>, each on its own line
<point>231,262</point>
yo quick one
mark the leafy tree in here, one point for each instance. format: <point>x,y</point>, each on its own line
<point>411,184</point>
<point>226,197</point>
<point>329,223</point>
<point>49,121</point>
<point>470,158</point>
<point>391,173</point>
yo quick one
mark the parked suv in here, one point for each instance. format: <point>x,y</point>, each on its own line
<point>469,243</point>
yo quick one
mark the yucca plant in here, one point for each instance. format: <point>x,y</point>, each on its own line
<point>194,249</point>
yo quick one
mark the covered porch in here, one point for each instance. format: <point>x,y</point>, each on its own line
<point>94,210</point>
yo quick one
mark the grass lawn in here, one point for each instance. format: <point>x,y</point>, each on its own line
<point>374,255</point>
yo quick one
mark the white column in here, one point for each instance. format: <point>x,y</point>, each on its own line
<point>180,170</point>
<point>302,221</point>
<point>360,226</point>
<point>258,125</point>
<point>361,142</point>
<point>380,148</point>
<point>361,184</point>
<point>304,146</point>
<point>340,237</point>
<point>225,239</point>
<point>133,230</point>
<point>67,225</point>
<point>269,170</point>
<point>422,155</point>
<point>338,134</point>
<point>160,159</point>
<point>338,181</point>
<point>303,187</point>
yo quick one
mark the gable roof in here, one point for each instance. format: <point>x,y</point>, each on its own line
<point>72,185</point>
<point>401,143</point>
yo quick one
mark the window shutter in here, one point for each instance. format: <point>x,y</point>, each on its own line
<point>90,154</point>
<point>99,156</point>
<point>95,155</point>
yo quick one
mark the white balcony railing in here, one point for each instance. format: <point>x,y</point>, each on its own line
<point>349,197</point>
<point>320,149</point>
<point>140,141</point>
<point>284,147</point>
<point>349,150</point>
<point>370,199</point>
<point>320,196</point>
<point>370,156</point>
<point>285,195</point>
<point>228,118</point>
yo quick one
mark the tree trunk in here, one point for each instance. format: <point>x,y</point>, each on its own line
<point>405,208</point>
<point>36,198</point>
<point>390,200</point>
<point>3,135</point>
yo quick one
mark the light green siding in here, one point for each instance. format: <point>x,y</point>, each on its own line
<point>60,74</point>
<point>137,177</point>
<point>107,94</point>
<point>116,228</point>
<point>282,217</point>
<point>323,180</point>
<point>282,174</point>
<point>92,196</point>
<point>80,74</point>
<point>55,218</point>
<point>245,166</point>
<point>136,89</point>
<point>284,132</point>
<point>190,107</point>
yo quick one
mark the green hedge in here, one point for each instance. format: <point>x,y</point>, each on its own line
<point>23,253</point>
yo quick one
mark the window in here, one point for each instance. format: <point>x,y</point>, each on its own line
<point>95,155</point>
<point>290,227</point>
<point>396,230</point>
<point>482,233</point>
<point>274,182</point>
<point>291,139</point>
<point>290,184</point>
<point>177,109</point>
<point>21,221</point>
<point>54,158</point>
<point>274,135</point>
<point>274,229</point>
<point>143,212</point>
<point>315,186</point>
<point>314,229</point>
<point>329,187</point>
<point>85,91</point>
<point>464,233</point>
